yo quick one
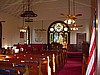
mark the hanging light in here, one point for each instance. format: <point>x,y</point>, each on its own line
<point>74,27</point>
<point>28,12</point>
<point>26,17</point>
<point>69,21</point>
<point>23,30</point>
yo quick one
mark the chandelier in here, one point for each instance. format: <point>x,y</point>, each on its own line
<point>74,27</point>
<point>23,28</point>
<point>69,21</point>
<point>71,17</point>
<point>28,14</point>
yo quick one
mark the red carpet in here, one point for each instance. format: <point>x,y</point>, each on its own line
<point>72,67</point>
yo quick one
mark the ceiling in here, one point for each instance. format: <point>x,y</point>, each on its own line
<point>46,9</point>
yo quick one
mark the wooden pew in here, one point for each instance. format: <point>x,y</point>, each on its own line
<point>37,68</point>
<point>59,59</point>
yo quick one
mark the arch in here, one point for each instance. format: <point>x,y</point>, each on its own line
<point>58,32</point>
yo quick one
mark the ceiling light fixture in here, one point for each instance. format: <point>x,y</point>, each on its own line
<point>70,18</point>
<point>69,21</point>
<point>74,27</point>
<point>23,28</point>
<point>28,13</point>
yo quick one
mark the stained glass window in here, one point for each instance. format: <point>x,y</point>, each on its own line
<point>58,33</point>
<point>56,37</point>
<point>51,37</point>
<point>58,27</point>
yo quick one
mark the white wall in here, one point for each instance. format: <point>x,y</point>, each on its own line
<point>83,29</point>
<point>46,23</point>
<point>10,32</point>
<point>38,25</point>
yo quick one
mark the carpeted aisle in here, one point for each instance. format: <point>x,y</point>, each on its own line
<point>72,67</point>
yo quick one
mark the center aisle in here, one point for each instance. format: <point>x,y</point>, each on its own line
<point>72,67</point>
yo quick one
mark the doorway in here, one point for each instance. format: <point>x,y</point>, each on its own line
<point>80,37</point>
<point>0,35</point>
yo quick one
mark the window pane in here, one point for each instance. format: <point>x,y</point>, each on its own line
<point>60,37</point>
<point>51,38</point>
<point>55,37</point>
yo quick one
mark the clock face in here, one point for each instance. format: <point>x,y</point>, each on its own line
<point>58,27</point>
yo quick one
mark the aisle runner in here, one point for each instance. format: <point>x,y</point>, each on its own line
<point>72,67</point>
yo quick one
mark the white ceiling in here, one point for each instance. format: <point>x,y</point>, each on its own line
<point>46,9</point>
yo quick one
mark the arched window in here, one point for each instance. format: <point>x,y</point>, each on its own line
<point>58,32</point>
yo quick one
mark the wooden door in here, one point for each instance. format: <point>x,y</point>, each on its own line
<point>79,39</point>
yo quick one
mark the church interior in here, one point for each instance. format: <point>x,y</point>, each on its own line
<point>46,37</point>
